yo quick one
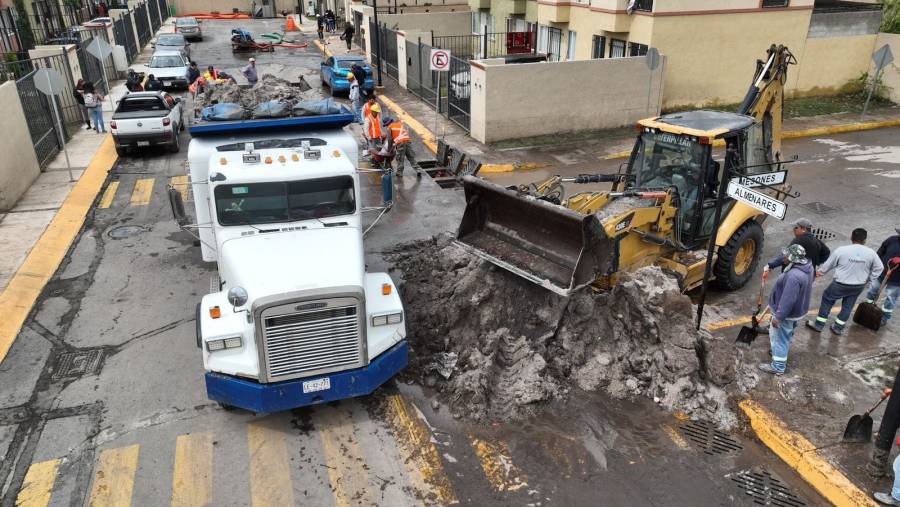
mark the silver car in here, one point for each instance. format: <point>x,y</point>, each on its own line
<point>172,41</point>
<point>170,67</point>
<point>189,27</point>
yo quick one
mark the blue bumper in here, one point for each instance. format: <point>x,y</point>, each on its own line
<point>341,84</point>
<point>276,397</point>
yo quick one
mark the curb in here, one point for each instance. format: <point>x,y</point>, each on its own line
<point>19,297</point>
<point>801,455</point>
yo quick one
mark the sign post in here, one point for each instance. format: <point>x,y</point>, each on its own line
<point>652,64</point>
<point>882,58</point>
<point>100,49</point>
<point>440,63</point>
<point>49,82</point>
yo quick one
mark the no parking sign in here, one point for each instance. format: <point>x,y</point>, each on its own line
<point>440,60</point>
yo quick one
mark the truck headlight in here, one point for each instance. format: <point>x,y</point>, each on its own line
<point>224,343</point>
<point>387,318</point>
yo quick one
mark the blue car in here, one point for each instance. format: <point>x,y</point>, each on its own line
<point>335,70</point>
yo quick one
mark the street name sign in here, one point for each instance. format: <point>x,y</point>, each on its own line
<point>758,180</point>
<point>440,60</point>
<point>758,200</point>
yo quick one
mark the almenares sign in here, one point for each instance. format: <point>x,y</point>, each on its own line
<point>757,200</point>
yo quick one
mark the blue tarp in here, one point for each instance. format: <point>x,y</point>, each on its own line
<point>222,112</point>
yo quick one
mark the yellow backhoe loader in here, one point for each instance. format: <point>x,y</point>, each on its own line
<point>659,211</point>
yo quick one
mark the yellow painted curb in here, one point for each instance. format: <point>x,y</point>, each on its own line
<point>801,455</point>
<point>322,48</point>
<point>26,285</point>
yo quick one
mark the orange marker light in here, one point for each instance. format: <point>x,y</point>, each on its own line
<point>282,159</point>
<point>295,157</point>
<point>386,289</point>
<point>336,153</point>
<point>222,161</point>
<point>268,160</point>
<point>215,312</point>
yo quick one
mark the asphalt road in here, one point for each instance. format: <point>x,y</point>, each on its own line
<point>102,399</point>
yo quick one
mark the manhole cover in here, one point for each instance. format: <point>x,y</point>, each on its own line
<point>822,234</point>
<point>820,207</point>
<point>125,231</point>
<point>875,371</point>
<point>78,364</point>
<point>709,439</point>
<point>765,489</point>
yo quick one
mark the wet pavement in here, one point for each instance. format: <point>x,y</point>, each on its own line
<point>105,382</point>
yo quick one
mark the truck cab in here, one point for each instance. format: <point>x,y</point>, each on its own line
<point>293,318</point>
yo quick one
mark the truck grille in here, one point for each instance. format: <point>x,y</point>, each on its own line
<point>312,341</point>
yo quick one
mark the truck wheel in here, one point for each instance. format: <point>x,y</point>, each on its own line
<point>197,327</point>
<point>121,150</point>
<point>739,257</point>
<point>181,124</point>
<point>176,145</point>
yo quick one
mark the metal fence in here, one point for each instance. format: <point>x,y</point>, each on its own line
<point>10,42</point>
<point>163,10</point>
<point>487,45</point>
<point>155,21</point>
<point>124,34</point>
<point>139,15</point>
<point>91,69</point>
<point>387,39</point>
<point>459,88</point>
<point>39,116</point>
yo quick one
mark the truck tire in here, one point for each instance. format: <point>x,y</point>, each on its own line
<point>739,257</point>
<point>197,327</point>
<point>176,144</point>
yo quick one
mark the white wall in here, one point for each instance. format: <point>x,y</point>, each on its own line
<point>20,165</point>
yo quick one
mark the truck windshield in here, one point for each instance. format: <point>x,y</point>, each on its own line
<point>664,160</point>
<point>133,104</point>
<point>260,203</point>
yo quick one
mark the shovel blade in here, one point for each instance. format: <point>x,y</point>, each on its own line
<point>859,429</point>
<point>747,335</point>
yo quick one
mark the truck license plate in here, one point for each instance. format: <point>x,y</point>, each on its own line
<point>167,83</point>
<point>320,384</point>
<point>143,143</point>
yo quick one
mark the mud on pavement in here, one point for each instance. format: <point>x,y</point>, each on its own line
<point>498,347</point>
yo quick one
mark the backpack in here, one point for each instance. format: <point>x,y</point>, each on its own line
<point>91,100</point>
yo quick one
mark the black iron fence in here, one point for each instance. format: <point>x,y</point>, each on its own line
<point>139,15</point>
<point>487,45</point>
<point>459,87</point>
<point>123,31</point>
<point>163,9</point>
<point>91,69</point>
<point>39,116</point>
<point>155,21</point>
<point>387,40</point>
<point>10,42</point>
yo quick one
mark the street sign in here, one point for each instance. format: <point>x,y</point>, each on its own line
<point>758,180</point>
<point>49,81</point>
<point>882,57</point>
<point>758,200</point>
<point>440,59</point>
<point>99,48</point>
<point>652,59</point>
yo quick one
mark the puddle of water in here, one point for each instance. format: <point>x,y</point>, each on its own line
<point>876,372</point>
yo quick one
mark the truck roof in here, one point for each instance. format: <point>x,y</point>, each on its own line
<point>701,123</point>
<point>282,164</point>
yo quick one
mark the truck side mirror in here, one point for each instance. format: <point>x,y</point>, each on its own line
<point>177,205</point>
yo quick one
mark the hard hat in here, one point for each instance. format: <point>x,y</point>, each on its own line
<point>252,59</point>
<point>376,108</point>
<point>350,77</point>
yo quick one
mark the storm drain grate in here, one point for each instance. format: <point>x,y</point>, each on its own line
<point>765,489</point>
<point>820,207</point>
<point>822,234</point>
<point>78,364</point>
<point>709,439</point>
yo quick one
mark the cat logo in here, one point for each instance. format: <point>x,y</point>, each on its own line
<point>621,226</point>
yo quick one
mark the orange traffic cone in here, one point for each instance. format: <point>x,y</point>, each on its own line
<point>290,26</point>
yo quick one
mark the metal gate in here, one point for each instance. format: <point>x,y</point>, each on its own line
<point>155,22</point>
<point>142,24</point>
<point>358,38</point>
<point>388,46</point>
<point>125,36</point>
<point>459,91</point>
<point>39,117</point>
<point>163,10</point>
<point>420,80</point>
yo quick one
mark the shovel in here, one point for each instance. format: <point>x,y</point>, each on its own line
<point>748,334</point>
<point>859,427</point>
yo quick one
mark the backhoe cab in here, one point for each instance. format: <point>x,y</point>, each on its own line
<point>660,211</point>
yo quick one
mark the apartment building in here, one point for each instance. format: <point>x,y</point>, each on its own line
<point>711,45</point>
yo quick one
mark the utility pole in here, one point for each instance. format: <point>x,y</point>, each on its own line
<point>377,39</point>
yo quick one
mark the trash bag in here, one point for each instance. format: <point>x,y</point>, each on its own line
<point>272,109</point>
<point>222,112</point>
<point>316,107</point>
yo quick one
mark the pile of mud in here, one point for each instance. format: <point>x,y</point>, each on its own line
<point>497,346</point>
<point>268,88</point>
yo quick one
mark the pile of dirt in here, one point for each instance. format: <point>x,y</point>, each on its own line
<point>496,346</point>
<point>268,88</point>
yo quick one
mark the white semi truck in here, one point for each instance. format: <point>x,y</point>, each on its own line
<point>293,318</point>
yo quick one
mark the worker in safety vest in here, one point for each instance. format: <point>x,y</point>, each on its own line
<point>372,128</point>
<point>399,138</point>
<point>198,86</point>
<point>215,76</point>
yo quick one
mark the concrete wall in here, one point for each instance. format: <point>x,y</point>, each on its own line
<point>826,65</point>
<point>205,6</point>
<point>20,166</point>
<point>443,23</point>
<point>844,24</point>
<point>891,75</point>
<point>522,100</point>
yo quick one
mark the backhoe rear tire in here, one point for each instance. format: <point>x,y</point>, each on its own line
<point>739,258</point>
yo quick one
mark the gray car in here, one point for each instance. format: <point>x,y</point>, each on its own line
<point>170,67</point>
<point>173,42</point>
<point>189,27</point>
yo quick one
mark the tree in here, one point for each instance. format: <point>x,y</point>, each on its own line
<point>890,17</point>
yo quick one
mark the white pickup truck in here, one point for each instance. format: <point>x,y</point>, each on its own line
<point>145,119</point>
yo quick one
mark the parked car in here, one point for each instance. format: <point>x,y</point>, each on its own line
<point>460,85</point>
<point>172,41</point>
<point>97,23</point>
<point>145,119</point>
<point>170,67</point>
<point>189,27</point>
<point>335,69</point>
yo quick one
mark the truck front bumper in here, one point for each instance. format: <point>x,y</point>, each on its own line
<point>279,396</point>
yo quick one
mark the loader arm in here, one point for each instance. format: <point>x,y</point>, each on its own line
<point>765,97</point>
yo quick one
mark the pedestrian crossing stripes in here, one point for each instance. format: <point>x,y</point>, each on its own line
<point>192,476</point>
<point>109,194</point>
<point>38,484</point>
<point>114,477</point>
<point>143,190</point>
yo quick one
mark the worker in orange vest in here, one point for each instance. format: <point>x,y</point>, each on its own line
<point>372,128</point>
<point>367,107</point>
<point>398,136</point>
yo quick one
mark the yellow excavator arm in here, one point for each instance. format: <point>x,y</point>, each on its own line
<point>765,98</point>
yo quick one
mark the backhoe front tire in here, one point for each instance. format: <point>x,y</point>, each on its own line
<point>739,258</point>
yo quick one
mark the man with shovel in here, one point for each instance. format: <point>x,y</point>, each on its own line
<point>789,302</point>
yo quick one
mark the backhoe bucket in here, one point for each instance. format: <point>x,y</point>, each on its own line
<point>550,245</point>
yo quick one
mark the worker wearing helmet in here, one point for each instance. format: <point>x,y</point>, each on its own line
<point>355,98</point>
<point>372,128</point>
<point>399,138</point>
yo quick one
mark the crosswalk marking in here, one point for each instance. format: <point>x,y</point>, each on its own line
<point>192,477</point>
<point>270,475</point>
<point>346,470</point>
<point>38,484</point>
<point>114,477</point>
<point>143,189</point>
<point>415,443</point>
<point>183,185</point>
<point>497,464</point>
<point>109,194</point>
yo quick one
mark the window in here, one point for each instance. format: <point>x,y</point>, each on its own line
<point>598,47</point>
<point>259,203</point>
<point>643,5</point>
<point>169,100</point>
<point>616,48</point>
<point>549,41</point>
<point>775,3</point>
<point>635,49</point>
<point>570,51</point>
<point>133,104</point>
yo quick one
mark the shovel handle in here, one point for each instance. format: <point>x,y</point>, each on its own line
<point>883,397</point>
